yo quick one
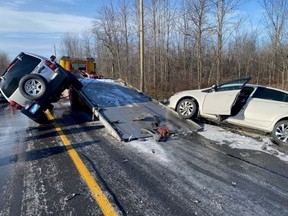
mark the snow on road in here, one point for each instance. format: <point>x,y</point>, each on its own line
<point>219,136</point>
<point>224,137</point>
<point>152,149</point>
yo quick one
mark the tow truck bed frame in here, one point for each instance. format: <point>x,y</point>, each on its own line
<point>125,112</point>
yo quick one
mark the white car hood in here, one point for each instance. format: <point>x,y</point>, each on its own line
<point>198,94</point>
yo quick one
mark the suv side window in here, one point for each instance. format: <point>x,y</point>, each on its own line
<point>22,65</point>
<point>270,94</point>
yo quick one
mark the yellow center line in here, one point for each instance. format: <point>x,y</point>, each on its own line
<point>97,193</point>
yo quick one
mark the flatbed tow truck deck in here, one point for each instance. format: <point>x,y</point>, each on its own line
<point>129,114</point>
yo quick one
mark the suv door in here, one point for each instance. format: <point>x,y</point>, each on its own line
<point>219,100</point>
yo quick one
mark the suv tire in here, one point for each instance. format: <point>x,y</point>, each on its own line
<point>33,86</point>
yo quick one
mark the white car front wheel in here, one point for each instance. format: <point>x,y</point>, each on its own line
<point>187,108</point>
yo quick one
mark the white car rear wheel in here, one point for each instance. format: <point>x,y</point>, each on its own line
<point>280,133</point>
<point>187,108</point>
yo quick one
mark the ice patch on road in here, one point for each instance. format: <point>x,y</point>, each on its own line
<point>150,148</point>
<point>222,137</point>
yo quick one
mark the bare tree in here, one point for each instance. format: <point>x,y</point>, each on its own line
<point>184,26</point>
<point>277,12</point>
<point>71,45</point>
<point>187,45</point>
<point>222,8</point>
<point>4,61</point>
<point>198,12</point>
<point>125,33</point>
<point>154,9</point>
<point>87,43</point>
<point>241,59</point>
<point>107,33</point>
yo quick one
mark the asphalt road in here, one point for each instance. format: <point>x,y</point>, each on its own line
<point>187,175</point>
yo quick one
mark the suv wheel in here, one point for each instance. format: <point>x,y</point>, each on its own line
<point>33,86</point>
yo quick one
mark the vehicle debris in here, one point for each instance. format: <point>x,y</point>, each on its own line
<point>159,134</point>
<point>124,160</point>
<point>196,201</point>
<point>71,196</point>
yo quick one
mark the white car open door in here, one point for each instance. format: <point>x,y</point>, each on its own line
<point>220,100</point>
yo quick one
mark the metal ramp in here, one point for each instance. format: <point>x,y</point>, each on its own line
<point>125,111</point>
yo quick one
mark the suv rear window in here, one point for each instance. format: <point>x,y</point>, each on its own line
<point>23,64</point>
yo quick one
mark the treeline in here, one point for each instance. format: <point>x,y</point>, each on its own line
<point>188,43</point>
<point>4,62</point>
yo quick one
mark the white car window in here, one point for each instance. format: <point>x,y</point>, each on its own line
<point>270,94</point>
<point>233,85</point>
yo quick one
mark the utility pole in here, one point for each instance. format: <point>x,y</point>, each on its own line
<point>141,41</point>
<point>54,50</point>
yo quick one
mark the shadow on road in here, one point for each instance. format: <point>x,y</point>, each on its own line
<point>40,153</point>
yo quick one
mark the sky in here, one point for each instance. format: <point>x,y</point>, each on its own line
<point>37,26</point>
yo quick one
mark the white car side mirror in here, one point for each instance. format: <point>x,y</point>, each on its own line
<point>213,88</point>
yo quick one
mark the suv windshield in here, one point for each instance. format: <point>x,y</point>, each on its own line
<point>23,64</point>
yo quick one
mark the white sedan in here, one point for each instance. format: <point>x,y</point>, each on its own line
<point>238,103</point>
